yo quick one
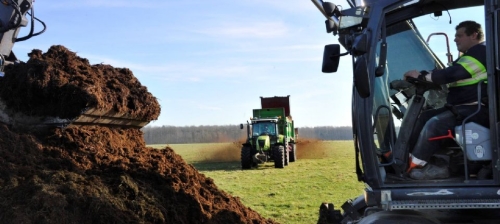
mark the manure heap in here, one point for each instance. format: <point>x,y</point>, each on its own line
<point>92,173</point>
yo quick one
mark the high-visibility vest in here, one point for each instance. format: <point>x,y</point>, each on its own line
<point>475,68</point>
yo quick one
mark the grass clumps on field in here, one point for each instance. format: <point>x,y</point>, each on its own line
<point>323,172</point>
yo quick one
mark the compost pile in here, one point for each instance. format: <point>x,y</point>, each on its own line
<point>96,174</point>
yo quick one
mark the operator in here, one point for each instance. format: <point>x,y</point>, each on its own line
<point>463,78</point>
<point>266,129</point>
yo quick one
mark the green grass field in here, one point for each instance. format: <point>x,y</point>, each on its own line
<point>323,172</point>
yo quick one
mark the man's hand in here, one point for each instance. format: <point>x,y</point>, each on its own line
<point>412,74</point>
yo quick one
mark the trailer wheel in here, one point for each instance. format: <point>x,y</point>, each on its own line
<point>293,152</point>
<point>246,157</point>
<point>279,156</point>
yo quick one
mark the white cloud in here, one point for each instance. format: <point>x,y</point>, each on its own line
<point>106,4</point>
<point>289,5</point>
<point>204,107</point>
<point>268,49</point>
<point>246,30</point>
<point>175,71</point>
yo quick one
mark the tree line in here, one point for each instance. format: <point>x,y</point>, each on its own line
<point>231,133</point>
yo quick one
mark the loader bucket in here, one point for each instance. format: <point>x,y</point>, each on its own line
<point>58,88</point>
<point>95,116</point>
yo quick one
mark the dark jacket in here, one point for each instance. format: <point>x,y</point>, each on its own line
<point>464,75</point>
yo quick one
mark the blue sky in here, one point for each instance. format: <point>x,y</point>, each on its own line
<point>208,62</point>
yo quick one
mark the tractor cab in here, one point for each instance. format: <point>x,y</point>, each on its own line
<point>264,127</point>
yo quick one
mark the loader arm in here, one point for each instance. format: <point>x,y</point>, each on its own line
<point>13,17</point>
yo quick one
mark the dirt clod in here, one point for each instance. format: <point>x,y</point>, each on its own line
<point>96,174</point>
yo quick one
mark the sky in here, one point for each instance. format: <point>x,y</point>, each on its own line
<point>209,62</point>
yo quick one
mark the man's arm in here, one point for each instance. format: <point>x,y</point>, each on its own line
<point>451,74</point>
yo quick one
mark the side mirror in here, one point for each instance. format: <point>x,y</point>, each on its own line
<point>241,126</point>
<point>331,58</point>
<point>361,77</point>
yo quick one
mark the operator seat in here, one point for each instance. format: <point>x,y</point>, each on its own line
<point>475,141</point>
<point>471,137</point>
<point>474,138</point>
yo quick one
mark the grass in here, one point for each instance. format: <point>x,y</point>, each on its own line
<point>323,172</point>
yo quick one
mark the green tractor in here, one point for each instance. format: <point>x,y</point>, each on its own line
<point>271,136</point>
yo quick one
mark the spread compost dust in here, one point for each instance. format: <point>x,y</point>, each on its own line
<point>311,149</point>
<point>307,148</point>
<point>95,174</point>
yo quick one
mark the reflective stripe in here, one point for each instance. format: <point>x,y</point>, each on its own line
<point>475,68</point>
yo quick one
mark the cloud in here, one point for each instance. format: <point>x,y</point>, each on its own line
<point>268,49</point>
<point>204,107</point>
<point>289,5</point>
<point>107,4</point>
<point>246,30</point>
<point>173,71</point>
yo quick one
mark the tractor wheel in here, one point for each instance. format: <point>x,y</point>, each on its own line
<point>279,156</point>
<point>293,153</point>
<point>246,157</point>
<point>287,157</point>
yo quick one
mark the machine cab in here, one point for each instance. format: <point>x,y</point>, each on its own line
<point>383,40</point>
<point>264,128</point>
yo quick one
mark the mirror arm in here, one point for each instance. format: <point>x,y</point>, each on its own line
<point>340,55</point>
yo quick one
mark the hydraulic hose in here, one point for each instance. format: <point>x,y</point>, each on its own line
<point>17,10</point>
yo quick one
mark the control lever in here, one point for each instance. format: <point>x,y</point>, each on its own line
<point>400,85</point>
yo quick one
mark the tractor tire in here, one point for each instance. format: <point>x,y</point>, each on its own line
<point>279,157</point>
<point>287,157</point>
<point>246,158</point>
<point>293,153</point>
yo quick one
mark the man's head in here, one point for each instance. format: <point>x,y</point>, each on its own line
<point>468,34</point>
